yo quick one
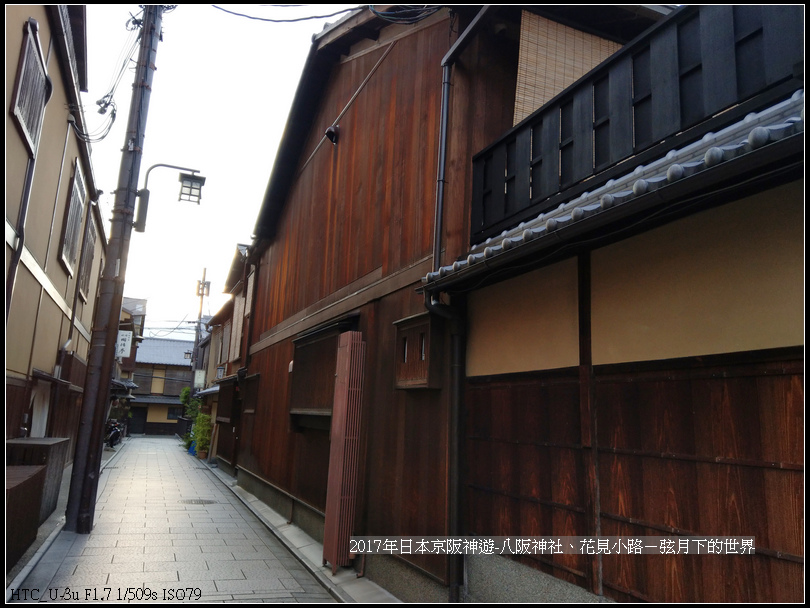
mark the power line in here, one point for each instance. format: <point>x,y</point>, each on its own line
<point>347,10</point>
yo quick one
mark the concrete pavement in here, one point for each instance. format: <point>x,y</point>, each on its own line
<point>170,528</point>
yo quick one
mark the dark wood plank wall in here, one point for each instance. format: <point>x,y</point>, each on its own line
<point>366,205</point>
<point>64,419</point>
<point>17,397</point>
<point>703,447</point>
<point>704,450</point>
<point>524,458</point>
<point>367,202</point>
<point>403,482</point>
<point>482,108</point>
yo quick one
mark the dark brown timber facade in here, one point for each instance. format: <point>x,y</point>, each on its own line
<point>609,339</point>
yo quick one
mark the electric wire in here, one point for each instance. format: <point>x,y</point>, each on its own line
<point>296,20</point>
<point>106,104</point>
<point>161,333</point>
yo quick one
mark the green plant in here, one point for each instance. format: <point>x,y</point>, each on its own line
<point>188,439</point>
<point>191,405</point>
<point>202,432</point>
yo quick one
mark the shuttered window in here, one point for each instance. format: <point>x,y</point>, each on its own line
<point>418,352</point>
<point>73,220</point>
<point>31,90</point>
<point>87,260</point>
<point>313,376</point>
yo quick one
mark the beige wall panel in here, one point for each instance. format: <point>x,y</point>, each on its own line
<point>16,162</point>
<point>22,321</point>
<point>726,280</point>
<point>48,336</point>
<point>80,345</point>
<point>46,177</point>
<point>160,413</point>
<point>526,323</point>
<point>158,380</point>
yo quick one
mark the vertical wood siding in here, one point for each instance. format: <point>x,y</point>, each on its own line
<point>694,448</point>
<point>705,451</point>
<point>367,202</point>
<point>403,476</point>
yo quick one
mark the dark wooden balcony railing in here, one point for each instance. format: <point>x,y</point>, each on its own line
<point>672,83</point>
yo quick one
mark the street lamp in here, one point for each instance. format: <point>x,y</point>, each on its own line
<point>190,190</point>
<point>191,186</point>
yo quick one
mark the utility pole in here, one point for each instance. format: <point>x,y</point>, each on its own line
<point>203,289</point>
<point>89,445</point>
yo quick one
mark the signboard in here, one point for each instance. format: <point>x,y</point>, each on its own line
<point>123,346</point>
<point>199,378</point>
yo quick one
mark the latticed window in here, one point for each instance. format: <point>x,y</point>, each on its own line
<point>73,220</point>
<point>87,259</point>
<point>32,89</point>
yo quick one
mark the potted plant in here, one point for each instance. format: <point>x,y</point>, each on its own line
<point>202,434</point>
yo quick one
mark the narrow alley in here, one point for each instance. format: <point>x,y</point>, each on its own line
<point>168,529</point>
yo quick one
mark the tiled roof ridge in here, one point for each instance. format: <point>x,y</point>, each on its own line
<point>753,132</point>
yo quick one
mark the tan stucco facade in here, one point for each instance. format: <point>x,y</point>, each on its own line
<point>160,414</point>
<point>726,280</point>
<point>42,303</point>
<point>526,323</point>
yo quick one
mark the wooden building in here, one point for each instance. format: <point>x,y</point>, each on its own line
<point>514,276</point>
<point>55,238</point>
<point>162,371</point>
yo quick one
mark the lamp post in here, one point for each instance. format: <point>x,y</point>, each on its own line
<point>190,190</point>
<point>81,505</point>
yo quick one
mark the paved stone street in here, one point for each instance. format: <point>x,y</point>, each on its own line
<point>167,529</point>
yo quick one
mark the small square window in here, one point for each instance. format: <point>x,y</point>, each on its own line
<point>418,352</point>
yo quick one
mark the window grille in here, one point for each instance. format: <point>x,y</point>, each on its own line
<point>32,89</point>
<point>73,223</point>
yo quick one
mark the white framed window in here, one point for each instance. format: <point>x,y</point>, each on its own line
<point>73,220</point>
<point>32,89</point>
<point>89,249</point>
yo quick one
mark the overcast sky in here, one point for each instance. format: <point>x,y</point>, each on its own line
<point>220,98</point>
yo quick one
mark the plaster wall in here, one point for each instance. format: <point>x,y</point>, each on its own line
<point>726,280</point>
<point>158,381</point>
<point>160,413</point>
<point>47,334</point>
<point>22,321</point>
<point>527,323</point>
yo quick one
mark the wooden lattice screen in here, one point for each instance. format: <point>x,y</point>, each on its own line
<point>344,451</point>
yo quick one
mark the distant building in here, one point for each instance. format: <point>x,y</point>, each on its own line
<point>162,371</point>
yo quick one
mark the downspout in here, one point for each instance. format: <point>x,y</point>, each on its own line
<point>14,263</point>
<point>253,259</point>
<point>456,318</point>
<point>63,350</point>
<point>455,428</point>
<point>447,67</point>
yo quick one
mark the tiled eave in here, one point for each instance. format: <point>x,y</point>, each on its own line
<point>738,152</point>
